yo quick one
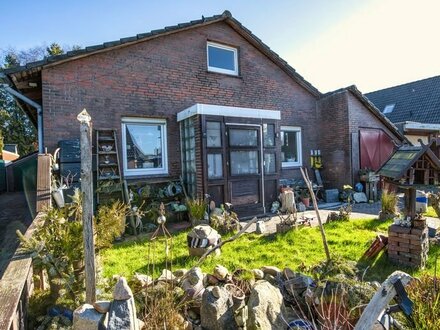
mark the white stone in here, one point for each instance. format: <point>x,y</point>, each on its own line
<point>220,272</point>
<point>101,306</point>
<point>85,317</point>
<point>122,291</point>
<point>360,197</point>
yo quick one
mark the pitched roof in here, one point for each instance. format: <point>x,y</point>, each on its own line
<point>404,157</point>
<point>226,16</point>
<point>370,106</point>
<point>417,101</point>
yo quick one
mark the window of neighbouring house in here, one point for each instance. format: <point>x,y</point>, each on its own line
<point>291,150</point>
<point>222,59</point>
<point>144,148</point>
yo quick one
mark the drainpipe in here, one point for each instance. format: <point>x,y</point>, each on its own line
<point>39,112</point>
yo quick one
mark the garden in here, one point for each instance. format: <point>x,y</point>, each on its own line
<point>173,289</point>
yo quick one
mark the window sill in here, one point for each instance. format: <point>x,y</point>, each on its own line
<point>225,74</point>
<point>290,167</point>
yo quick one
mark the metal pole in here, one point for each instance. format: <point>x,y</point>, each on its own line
<point>87,204</point>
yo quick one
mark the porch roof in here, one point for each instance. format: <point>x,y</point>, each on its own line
<point>227,111</point>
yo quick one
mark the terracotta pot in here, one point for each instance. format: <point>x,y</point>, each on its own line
<point>305,201</point>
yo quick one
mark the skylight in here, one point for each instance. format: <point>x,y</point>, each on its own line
<point>389,108</point>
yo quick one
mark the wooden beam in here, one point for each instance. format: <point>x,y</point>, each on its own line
<point>44,199</point>
<point>87,214</point>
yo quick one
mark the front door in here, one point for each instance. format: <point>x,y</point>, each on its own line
<point>244,167</point>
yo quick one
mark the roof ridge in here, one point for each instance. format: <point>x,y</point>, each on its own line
<point>404,84</point>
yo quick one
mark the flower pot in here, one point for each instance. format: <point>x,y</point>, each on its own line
<point>305,201</point>
<point>58,196</point>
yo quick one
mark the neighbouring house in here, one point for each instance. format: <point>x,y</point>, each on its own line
<point>9,152</point>
<point>413,107</point>
<point>209,101</point>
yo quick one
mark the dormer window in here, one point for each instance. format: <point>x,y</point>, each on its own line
<point>222,59</point>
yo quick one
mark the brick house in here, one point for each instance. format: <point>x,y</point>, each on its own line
<point>210,101</point>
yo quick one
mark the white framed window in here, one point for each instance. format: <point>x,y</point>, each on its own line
<point>291,147</point>
<point>144,146</point>
<point>222,59</point>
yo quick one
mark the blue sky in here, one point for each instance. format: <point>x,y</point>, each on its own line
<point>332,43</point>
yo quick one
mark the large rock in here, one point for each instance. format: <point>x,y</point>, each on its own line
<point>216,311</point>
<point>85,317</point>
<point>265,307</point>
<point>122,311</point>
<point>192,284</point>
<point>221,272</point>
<point>201,239</point>
<point>122,291</point>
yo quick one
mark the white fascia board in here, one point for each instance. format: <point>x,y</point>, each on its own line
<point>221,110</point>
<point>421,126</point>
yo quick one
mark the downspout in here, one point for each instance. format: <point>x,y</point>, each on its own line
<point>34,104</point>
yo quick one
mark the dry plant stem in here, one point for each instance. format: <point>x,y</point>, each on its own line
<point>233,238</point>
<point>306,178</point>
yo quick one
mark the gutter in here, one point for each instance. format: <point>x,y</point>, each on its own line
<point>34,104</point>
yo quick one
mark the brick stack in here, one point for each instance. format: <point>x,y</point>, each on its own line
<point>408,246</point>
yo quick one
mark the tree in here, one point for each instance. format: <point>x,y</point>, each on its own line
<point>54,49</point>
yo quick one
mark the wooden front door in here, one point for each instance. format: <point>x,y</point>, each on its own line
<point>244,168</point>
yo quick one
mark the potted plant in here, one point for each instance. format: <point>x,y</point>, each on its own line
<point>305,197</point>
<point>196,210</point>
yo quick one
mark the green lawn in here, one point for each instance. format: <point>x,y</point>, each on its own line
<point>301,247</point>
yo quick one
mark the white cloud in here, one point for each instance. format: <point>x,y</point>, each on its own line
<point>385,43</point>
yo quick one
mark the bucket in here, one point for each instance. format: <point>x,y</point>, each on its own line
<point>421,201</point>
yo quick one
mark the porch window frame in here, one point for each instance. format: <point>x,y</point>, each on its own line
<point>145,122</point>
<point>298,131</point>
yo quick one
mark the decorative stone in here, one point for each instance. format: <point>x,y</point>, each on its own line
<point>101,306</point>
<point>258,274</point>
<point>166,276</point>
<point>360,197</point>
<point>265,307</point>
<point>85,317</point>
<point>220,272</point>
<point>122,315</point>
<point>179,273</point>
<point>192,283</point>
<point>216,312</point>
<point>271,270</point>
<point>122,291</point>
<point>260,227</point>
<point>201,239</point>
<point>142,280</point>
<point>211,279</point>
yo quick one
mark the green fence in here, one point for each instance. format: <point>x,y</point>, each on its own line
<point>2,176</point>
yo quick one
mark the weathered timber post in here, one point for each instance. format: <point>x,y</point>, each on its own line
<point>87,204</point>
<point>306,178</point>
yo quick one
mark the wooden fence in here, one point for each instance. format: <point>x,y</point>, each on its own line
<point>16,285</point>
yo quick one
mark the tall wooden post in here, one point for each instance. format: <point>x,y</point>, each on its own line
<point>87,204</point>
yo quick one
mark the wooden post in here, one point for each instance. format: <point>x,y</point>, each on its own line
<point>305,176</point>
<point>87,204</point>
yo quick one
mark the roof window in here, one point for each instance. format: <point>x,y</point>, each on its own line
<point>389,108</point>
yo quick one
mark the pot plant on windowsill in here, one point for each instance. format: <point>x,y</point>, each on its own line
<point>305,197</point>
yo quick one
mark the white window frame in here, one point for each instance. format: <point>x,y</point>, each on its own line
<point>220,70</point>
<point>298,162</point>
<point>145,171</point>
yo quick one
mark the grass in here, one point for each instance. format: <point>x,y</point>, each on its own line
<point>293,249</point>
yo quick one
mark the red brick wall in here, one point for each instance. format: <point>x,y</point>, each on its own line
<point>163,76</point>
<point>334,140</point>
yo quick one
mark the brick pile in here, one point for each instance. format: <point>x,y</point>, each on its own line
<point>408,246</point>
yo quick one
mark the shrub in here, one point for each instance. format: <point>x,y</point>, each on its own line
<point>426,309</point>
<point>389,202</point>
<point>196,208</point>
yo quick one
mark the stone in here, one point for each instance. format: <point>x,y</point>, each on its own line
<point>260,227</point>
<point>360,197</point>
<point>211,279</point>
<point>101,306</point>
<point>122,291</point>
<point>258,274</point>
<point>122,315</point>
<point>216,312</point>
<point>271,270</point>
<point>166,276</point>
<point>221,272</point>
<point>179,273</point>
<point>85,317</point>
<point>142,280</point>
<point>265,307</point>
<point>192,284</point>
<point>141,324</point>
<point>201,239</point>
